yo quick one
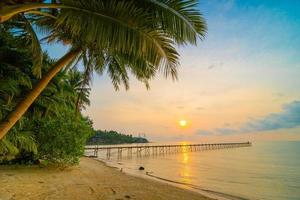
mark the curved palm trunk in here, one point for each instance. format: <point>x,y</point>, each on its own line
<point>22,107</point>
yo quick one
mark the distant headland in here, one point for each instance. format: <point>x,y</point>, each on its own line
<point>113,137</point>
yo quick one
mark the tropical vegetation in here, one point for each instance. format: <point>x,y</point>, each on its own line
<point>116,37</point>
<point>51,129</point>
<point>113,137</point>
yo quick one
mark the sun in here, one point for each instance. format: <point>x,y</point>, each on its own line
<point>182,123</point>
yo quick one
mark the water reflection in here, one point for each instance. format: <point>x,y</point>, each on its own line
<point>185,158</point>
<point>269,169</point>
<point>186,169</point>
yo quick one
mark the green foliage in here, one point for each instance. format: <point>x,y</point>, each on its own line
<point>123,37</point>
<point>62,139</point>
<point>113,137</point>
<point>22,27</point>
<point>116,36</point>
<point>46,118</point>
<point>18,144</point>
<point>8,150</point>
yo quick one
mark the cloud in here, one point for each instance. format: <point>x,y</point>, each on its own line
<point>200,108</point>
<point>204,133</point>
<point>216,65</point>
<point>289,117</point>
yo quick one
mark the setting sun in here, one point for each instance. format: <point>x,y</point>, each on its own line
<point>182,123</point>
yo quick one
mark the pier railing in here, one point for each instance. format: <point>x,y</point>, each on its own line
<point>147,150</point>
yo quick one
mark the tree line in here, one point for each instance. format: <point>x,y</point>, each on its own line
<point>113,137</point>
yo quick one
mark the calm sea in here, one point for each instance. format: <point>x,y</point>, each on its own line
<point>266,170</point>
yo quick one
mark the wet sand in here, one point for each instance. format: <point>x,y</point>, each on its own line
<point>92,179</point>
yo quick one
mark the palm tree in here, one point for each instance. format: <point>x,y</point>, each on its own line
<point>21,26</point>
<point>136,36</point>
<point>17,141</point>
<point>76,82</point>
<point>15,77</point>
<point>23,143</point>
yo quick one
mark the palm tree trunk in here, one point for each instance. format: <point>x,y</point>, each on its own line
<point>22,107</point>
<point>77,106</point>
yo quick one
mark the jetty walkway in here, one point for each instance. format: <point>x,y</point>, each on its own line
<point>147,150</point>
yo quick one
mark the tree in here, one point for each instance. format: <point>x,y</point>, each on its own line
<point>77,82</point>
<point>136,36</point>
<point>50,115</point>
<point>13,79</point>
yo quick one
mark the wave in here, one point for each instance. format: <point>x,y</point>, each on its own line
<point>196,187</point>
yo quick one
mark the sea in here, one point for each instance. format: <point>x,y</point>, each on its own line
<point>263,171</point>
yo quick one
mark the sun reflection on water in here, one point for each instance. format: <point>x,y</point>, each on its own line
<point>185,158</point>
<point>185,170</point>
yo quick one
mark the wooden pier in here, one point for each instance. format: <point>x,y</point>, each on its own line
<point>147,150</point>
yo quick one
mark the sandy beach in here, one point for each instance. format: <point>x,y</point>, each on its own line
<point>92,179</point>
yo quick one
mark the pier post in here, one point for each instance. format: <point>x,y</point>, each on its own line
<point>120,153</point>
<point>107,154</point>
<point>96,152</point>
<point>129,152</point>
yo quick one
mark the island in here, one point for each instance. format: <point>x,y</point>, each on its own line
<point>113,137</point>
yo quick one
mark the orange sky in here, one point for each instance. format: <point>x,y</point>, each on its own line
<point>240,79</point>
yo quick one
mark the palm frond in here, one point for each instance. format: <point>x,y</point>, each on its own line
<point>148,30</point>
<point>36,50</point>
<point>180,18</point>
<point>23,140</point>
<point>7,149</point>
<point>112,27</point>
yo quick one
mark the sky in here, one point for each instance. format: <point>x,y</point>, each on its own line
<point>241,83</point>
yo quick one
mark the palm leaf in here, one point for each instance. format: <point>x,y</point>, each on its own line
<point>23,140</point>
<point>180,18</point>
<point>131,34</point>
<point>36,50</point>
<point>7,148</point>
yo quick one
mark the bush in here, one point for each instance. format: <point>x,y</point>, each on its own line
<point>61,140</point>
<point>19,145</point>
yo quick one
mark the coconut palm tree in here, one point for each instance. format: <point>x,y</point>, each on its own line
<point>76,83</point>
<point>21,26</point>
<point>135,36</point>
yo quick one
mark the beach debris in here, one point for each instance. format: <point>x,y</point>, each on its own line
<point>92,190</point>
<point>9,174</point>
<point>113,191</point>
<point>127,196</point>
<point>141,168</point>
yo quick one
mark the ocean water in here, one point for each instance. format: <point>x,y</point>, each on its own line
<point>264,171</point>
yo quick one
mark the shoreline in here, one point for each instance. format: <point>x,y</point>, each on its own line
<point>215,195</point>
<point>91,179</point>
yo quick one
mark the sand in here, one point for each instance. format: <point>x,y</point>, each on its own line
<point>92,179</point>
